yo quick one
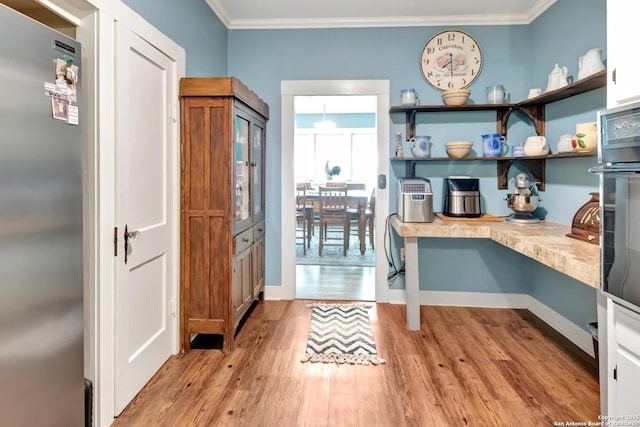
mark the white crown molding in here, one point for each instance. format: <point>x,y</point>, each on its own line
<point>219,10</point>
<point>391,21</point>
<point>388,21</point>
<point>539,8</point>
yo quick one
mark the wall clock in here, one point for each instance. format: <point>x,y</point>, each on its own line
<point>451,59</point>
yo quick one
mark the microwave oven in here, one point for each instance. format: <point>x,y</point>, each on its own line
<point>619,170</point>
<point>619,135</point>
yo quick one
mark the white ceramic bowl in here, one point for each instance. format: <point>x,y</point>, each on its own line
<point>458,151</point>
<point>458,143</point>
<point>455,96</point>
<point>456,91</point>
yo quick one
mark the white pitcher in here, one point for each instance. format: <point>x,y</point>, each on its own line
<point>558,77</point>
<point>590,63</point>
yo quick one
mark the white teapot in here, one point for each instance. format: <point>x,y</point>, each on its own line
<point>558,77</point>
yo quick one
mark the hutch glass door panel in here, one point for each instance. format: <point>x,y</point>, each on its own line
<point>242,199</point>
<point>257,155</point>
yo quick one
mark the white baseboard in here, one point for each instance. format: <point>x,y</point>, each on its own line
<point>276,293</point>
<point>570,330</point>
<point>474,299</point>
<point>397,296</point>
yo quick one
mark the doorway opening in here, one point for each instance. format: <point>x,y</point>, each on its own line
<point>357,142</point>
<point>335,144</point>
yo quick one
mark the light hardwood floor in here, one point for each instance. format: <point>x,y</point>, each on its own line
<point>334,282</point>
<point>465,367</point>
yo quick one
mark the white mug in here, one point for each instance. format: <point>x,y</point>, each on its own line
<point>533,92</point>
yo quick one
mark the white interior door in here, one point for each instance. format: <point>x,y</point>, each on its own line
<point>145,191</point>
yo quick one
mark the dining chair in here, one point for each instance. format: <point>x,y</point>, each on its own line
<point>369,214</point>
<point>333,211</point>
<point>306,184</point>
<point>309,203</point>
<point>304,218</point>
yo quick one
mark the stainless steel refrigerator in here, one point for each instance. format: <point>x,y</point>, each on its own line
<point>41,303</point>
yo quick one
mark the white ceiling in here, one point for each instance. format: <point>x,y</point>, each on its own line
<point>245,14</point>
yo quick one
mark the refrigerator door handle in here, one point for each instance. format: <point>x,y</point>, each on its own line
<point>619,169</point>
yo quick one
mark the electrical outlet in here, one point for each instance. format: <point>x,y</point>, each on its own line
<point>401,254</point>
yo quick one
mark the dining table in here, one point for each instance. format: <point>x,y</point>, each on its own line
<point>355,198</point>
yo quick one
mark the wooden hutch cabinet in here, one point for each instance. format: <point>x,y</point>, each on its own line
<point>222,205</point>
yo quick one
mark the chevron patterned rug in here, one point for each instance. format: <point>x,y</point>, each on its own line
<point>341,333</point>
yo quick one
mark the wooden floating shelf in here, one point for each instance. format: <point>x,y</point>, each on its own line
<point>463,159</point>
<point>533,108</point>
<point>535,164</point>
<point>587,84</point>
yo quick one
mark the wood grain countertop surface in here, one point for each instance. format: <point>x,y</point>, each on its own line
<point>545,242</point>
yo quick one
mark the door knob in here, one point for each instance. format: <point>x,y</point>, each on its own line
<point>133,235</point>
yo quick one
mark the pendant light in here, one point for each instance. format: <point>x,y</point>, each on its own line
<point>324,124</point>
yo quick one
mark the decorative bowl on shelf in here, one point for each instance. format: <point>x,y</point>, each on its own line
<point>459,149</point>
<point>455,96</point>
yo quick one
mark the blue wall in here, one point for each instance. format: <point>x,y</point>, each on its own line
<point>472,265</point>
<point>518,57</point>
<point>515,56</point>
<point>194,26</point>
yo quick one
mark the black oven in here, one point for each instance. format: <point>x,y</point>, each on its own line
<point>619,170</point>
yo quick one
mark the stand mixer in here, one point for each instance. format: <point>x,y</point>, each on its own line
<point>523,200</point>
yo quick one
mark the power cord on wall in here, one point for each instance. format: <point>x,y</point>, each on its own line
<point>395,272</point>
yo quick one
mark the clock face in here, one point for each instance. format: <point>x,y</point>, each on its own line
<point>451,60</point>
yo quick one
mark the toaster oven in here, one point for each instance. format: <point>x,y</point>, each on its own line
<point>461,197</point>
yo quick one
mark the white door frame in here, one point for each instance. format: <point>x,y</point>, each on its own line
<point>95,23</point>
<point>289,89</point>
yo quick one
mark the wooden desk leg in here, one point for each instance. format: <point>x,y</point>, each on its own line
<point>411,276</point>
<point>362,224</point>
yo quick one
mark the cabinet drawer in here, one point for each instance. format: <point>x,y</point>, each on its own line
<point>243,241</point>
<point>258,231</point>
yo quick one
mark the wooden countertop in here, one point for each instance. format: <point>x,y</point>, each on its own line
<point>545,242</point>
